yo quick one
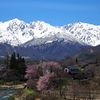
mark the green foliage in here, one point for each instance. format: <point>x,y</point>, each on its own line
<point>30,91</point>
<point>11,97</point>
<point>31,94</point>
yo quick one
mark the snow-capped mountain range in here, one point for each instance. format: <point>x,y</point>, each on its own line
<point>16,32</point>
<point>41,40</point>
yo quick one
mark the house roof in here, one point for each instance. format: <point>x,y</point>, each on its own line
<point>72,68</point>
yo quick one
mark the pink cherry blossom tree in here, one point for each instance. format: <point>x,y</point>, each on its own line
<point>50,67</point>
<point>51,74</point>
<point>60,80</point>
<point>46,83</point>
<point>31,71</point>
<point>31,74</point>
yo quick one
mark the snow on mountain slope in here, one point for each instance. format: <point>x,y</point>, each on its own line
<point>17,32</point>
<point>84,32</point>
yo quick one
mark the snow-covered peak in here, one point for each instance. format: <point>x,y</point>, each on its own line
<point>39,22</point>
<point>42,29</point>
<point>12,23</point>
<point>84,32</point>
<point>15,20</point>
<point>79,25</point>
<point>17,32</point>
<point>40,25</point>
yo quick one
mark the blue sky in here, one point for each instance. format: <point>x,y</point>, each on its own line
<point>54,12</point>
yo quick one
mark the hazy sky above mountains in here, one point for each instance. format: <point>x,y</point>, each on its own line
<point>54,12</point>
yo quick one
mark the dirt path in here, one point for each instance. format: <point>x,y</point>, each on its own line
<point>18,86</point>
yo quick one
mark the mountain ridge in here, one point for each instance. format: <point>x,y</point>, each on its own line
<point>17,32</point>
<point>40,40</point>
<point>56,50</point>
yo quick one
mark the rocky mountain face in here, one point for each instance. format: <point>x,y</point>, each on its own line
<point>38,39</point>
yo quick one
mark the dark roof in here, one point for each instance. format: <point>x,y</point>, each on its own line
<point>72,68</point>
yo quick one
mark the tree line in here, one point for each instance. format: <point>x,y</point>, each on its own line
<point>15,67</point>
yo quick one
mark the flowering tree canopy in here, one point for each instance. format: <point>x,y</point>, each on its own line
<point>47,72</point>
<point>46,82</point>
<point>50,67</point>
<point>31,71</point>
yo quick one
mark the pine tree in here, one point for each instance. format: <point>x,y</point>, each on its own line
<point>76,61</point>
<point>22,66</point>
<point>17,63</point>
<point>13,62</point>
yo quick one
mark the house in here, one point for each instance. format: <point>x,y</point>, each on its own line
<point>75,73</point>
<point>71,69</point>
